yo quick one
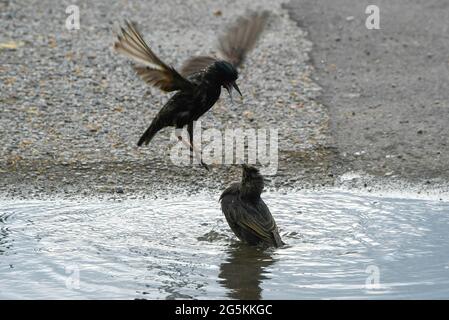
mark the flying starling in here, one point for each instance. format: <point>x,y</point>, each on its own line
<point>199,81</point>
<point>246,213</point>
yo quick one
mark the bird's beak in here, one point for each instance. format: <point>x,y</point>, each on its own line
<point>229,88</point>
<point>236,87</point>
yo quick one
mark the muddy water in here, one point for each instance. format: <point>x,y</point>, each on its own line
<point>340,245</point>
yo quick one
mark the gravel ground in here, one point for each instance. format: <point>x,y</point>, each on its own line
<point>72,110</point>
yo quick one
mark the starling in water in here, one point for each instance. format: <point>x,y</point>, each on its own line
<point>246,213</point>
<point>198,84</point>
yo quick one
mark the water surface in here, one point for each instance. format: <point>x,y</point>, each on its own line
<point>340,245</point>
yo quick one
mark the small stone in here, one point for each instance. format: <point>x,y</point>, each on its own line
<point>119,190</point>
<point>249,115</point>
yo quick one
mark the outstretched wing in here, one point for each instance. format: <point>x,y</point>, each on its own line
<point>234,45</point>
<point>241,37</point>
<point>196,64</point>
<point>151,69</point>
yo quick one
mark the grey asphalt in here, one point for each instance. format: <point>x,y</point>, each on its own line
<point>386,90</point>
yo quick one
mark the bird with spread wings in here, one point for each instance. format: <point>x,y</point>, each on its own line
<point>200,79</point>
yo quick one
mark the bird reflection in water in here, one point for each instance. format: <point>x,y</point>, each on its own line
<point>244,270</point>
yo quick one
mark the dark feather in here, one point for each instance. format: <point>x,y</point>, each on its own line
<point>258,221</point>
<point>246,213</point>
<point>242,37</point>
<point>152,69</point>
<point>252,222</point>
<point>196,64</point>
<point>233,46</point>
<point>149,133</point>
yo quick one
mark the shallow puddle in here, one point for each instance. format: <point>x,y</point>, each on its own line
<point>339,245</point>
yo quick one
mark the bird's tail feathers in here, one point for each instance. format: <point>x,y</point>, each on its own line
<point>277,239</point>
<point>148,135</point>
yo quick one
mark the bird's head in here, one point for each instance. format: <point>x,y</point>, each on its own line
<point>250,172</point>
<point>226,74</point>
<point>252,180</point>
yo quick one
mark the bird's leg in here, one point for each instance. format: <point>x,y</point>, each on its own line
<point>190,132</point>
<point>195,152</point>
<point>192,148</point>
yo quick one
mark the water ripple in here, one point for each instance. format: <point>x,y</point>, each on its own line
<point>181,247</point>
